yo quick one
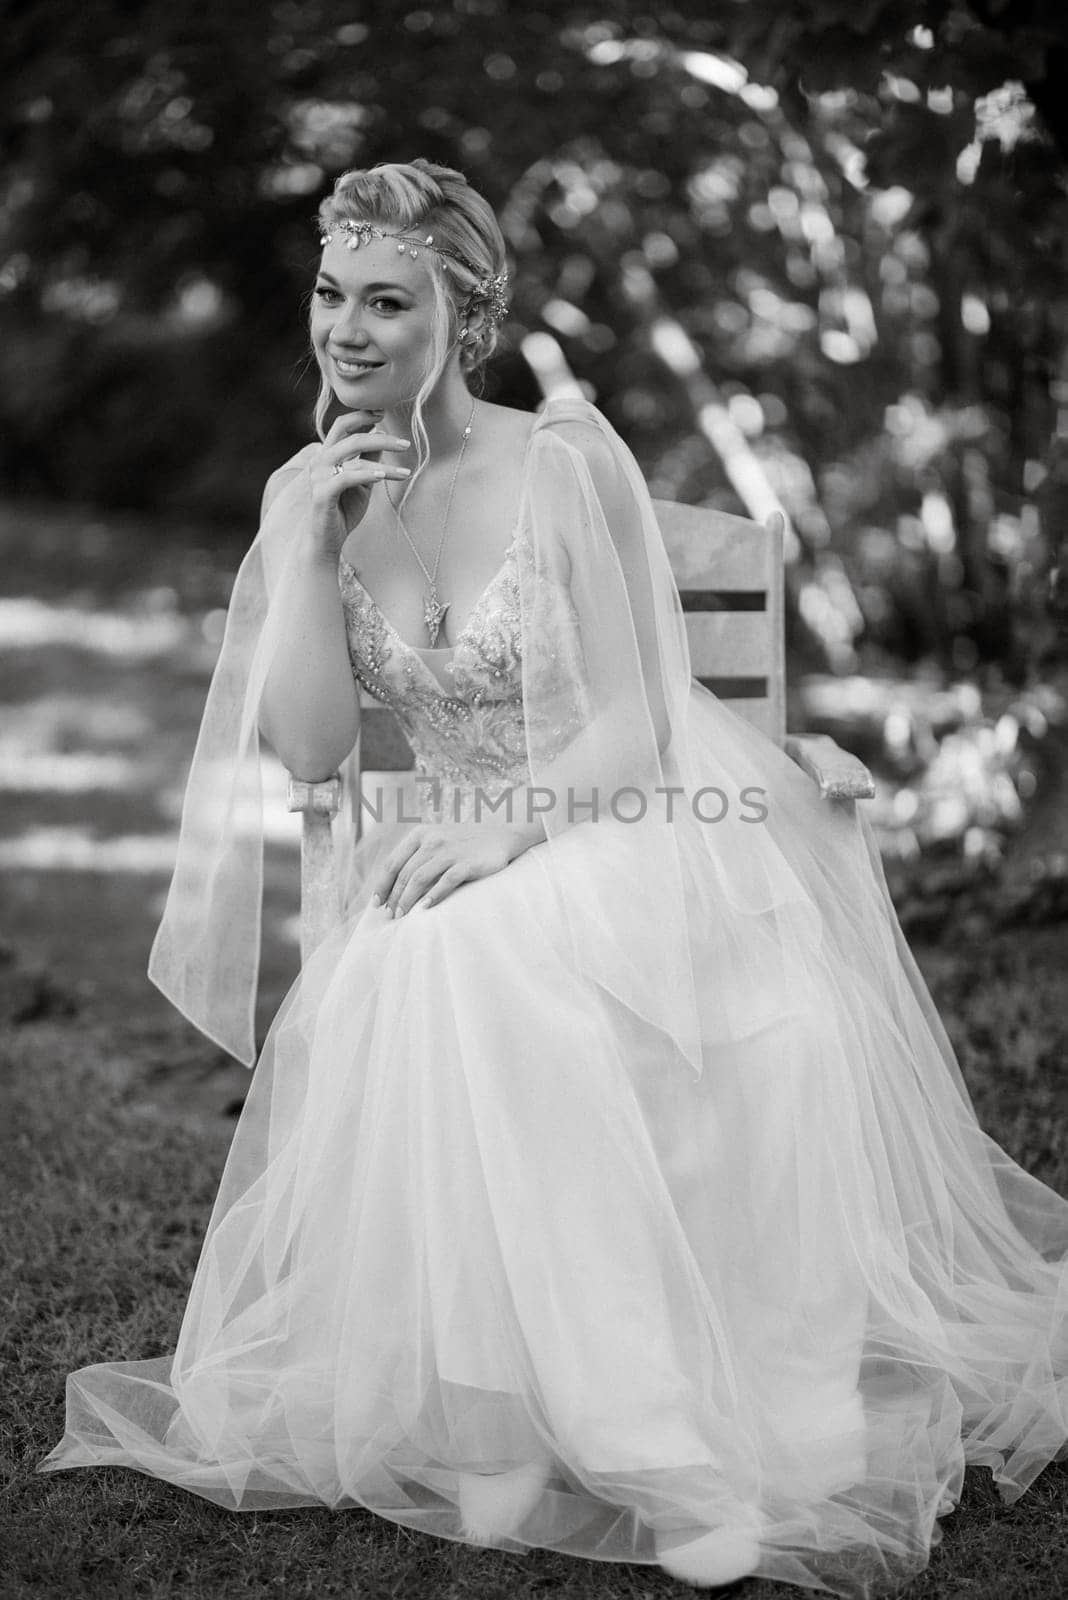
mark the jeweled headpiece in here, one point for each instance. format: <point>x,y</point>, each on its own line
<point>490,289</point>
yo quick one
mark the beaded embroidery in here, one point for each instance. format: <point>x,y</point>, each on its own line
<point>474,736</point>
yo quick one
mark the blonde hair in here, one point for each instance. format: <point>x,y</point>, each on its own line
<point>418,195</point>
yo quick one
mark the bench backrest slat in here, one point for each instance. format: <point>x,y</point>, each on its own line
<point>729,573</point>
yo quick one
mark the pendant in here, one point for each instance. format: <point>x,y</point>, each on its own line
<point>433,615</point>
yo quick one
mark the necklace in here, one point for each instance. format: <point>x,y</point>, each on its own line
<point>433,610</point>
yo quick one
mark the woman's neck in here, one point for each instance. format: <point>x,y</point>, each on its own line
<point>446,414</point>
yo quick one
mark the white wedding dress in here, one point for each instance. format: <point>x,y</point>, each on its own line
<point>481,1213</point>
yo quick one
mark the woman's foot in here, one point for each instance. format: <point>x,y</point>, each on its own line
<point>494,1504</point>
<point>713,1559</point>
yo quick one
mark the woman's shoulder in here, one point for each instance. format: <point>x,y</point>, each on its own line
<point>573,424</point>
<point>577,422</point>
<point>285,474</point>
<point>570,422</point>
<point>554,412</point>
<point>514,437</point>
<point>559,410</point>
<point>298,459</point>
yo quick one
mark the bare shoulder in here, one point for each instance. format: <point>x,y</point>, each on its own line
<point>578,426</point>
<point>276,483</point>
<point>575,423</point>
<point>506,428</point>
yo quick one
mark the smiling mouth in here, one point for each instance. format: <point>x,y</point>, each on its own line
<point>355,369</point>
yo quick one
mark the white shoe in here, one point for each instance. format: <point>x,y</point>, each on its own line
<point>721,1556</point>
<point>494,1504</point>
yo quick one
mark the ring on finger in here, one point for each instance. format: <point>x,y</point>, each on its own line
<point>339,467</point>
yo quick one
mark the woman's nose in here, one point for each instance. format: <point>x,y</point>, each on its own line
<point>350,331</point>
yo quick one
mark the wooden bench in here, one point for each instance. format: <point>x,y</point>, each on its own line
<point>729,572</point>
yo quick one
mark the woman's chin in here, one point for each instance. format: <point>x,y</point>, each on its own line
<point>365,394</point>
<point>350,389</point>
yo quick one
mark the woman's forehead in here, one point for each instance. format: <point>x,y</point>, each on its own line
<point>378,261</point>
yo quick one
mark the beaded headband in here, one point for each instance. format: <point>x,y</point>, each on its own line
<point>488,289</point>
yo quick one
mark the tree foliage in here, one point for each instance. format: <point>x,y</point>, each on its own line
<point>850,212</point>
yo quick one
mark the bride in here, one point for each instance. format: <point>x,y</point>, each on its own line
<point>607,1183</point>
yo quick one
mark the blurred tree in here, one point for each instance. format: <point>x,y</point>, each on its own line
<point>851,216</point>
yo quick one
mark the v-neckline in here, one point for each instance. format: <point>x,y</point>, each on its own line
<point>441,650</point>
<point>448,649</point>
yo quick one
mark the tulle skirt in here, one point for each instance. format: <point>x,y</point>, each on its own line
<point>479,1213</point>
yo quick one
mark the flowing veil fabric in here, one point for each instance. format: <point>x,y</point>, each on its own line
<point>206,954</point>
<point>647,1156</point>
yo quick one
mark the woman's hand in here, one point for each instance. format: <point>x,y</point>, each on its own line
<point>347,467</point>
<point>434,859</point>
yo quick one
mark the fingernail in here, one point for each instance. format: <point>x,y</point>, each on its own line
<point>376,899</point>
<point>405,471</point>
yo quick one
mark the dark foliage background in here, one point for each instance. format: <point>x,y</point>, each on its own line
<point>855,212</point>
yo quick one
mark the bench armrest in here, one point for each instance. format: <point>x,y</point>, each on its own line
<point>837,774</point>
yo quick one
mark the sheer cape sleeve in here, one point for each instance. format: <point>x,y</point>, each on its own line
<point>206,953</point>
<point>667,876</point>
<point>731,888</point>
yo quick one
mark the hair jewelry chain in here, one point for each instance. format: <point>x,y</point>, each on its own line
<point>490,289</point>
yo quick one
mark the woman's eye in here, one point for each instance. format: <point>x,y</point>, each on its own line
<point>384,301</point>
<point>327,295</point>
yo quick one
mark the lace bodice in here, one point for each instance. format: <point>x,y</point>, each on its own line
<point>467,727</point>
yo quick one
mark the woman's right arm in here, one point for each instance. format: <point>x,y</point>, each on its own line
<point>310,709</point>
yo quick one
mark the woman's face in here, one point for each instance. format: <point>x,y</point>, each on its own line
<point>371,323</point>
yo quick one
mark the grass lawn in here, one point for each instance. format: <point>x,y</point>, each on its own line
<point>110,1171</point>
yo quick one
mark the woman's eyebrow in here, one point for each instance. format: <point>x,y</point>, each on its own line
<point>370,288</point>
